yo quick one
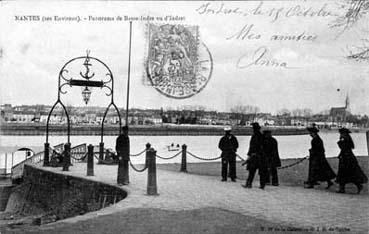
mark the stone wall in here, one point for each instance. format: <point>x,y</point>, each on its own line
<point>47,194</point>
<point>5,191</point>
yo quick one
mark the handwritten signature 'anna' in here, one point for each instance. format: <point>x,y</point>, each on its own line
<point>260,57</point>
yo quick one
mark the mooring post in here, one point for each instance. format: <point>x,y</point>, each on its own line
<point>367,140</point>
<point>46,154</point>
<point>6,162</point>
<point>12,160</point>
<point>66,157</point>
<point>184,158</point>
<point>148,145</point>
<point>90,160</point>
<point>101,151</point>
<point>151,173</point>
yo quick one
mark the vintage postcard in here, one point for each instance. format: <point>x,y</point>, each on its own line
<point>184,116</point>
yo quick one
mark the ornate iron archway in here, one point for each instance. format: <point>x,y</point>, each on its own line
<point>87,80</point>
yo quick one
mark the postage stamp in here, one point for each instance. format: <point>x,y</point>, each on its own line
<point>179,65</point>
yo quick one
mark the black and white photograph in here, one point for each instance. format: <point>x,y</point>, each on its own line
<point>184,116</point>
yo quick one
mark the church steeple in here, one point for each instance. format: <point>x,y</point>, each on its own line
<point>347,102</point>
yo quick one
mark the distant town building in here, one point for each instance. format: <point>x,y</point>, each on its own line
<point>339,114</point>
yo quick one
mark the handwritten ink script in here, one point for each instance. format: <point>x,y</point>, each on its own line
<point>260,57</point>
<point>247,32</point>
<point>274,13</point>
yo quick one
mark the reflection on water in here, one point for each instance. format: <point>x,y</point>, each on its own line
<point>203,146</point>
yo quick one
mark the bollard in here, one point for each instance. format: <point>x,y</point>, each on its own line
<point>367,140</point>
<point>6,162</point>
<point>151,173</point>
<point>101,151</point>
<point>46,155</point>
<point>12,160</point>
<point>148,145</point>
<point>11,171</point>
<point>184,158</point>
<point>90,160</point>
<point>66,157</point>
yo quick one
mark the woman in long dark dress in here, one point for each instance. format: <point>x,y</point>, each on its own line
<point>349,170</point>
<point>319,168</point>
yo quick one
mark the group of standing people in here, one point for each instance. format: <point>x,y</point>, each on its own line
<point>263,156</point>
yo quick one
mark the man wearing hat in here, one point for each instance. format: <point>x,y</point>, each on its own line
<point>319,168</point>
<point>123,148</point>
<point>256,158</point>
<point>228,144</point>
<point>270,149</point>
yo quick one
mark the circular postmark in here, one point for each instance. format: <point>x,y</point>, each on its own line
<point>179,65</point>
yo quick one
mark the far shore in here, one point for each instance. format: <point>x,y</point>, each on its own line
<point>35,129</point>
<point>14,129</point>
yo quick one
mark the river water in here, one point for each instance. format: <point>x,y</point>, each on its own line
<point>296,146</point>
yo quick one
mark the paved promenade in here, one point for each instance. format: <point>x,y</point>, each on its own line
<point>291,206</point>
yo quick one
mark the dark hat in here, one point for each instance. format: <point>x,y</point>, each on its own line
<point>344,130</point>
<point>125,128</point>
<point>255,125</point>
<point>312,129</point>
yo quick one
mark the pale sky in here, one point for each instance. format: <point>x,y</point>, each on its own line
<point>33,52</point>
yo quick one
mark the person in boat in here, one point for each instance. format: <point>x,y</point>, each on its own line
<point>319,168</point>
<point>270,149</point>
<point>56,159</point>
<point>256,158</point>
<point>349,170</point>
<point>228,144</point>
<point>123,149</point>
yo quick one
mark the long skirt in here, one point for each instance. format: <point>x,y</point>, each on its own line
<point>349,170</point>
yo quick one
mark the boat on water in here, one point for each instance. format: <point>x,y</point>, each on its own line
<point>173,147</point>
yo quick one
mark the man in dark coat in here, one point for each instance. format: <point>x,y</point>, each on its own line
<point>228,144</point>
<point>256,159</point>
<point>319,169</point>
<point>349,170</point>
<point>123,148</point>
<point>270,149</point>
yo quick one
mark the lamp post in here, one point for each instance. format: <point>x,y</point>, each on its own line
<point>86,94</point>
<point>89,78</point>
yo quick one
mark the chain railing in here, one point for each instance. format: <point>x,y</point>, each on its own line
<point>136,169</point>
<point>167,158</point>
<point>136,155</point>
<point>293,164</point>
<point>201,158</point>
<point>281,167</point>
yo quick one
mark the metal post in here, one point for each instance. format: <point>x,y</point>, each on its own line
<point>12,160</point>
<point>151,173</point>
<point>46,154</point>
<point>367,140</point>
<point>148,145</point>
<point>90,160</point>
<point>129,70</point>
<point>12,164</point>
<point>6,162</point>
<point>66,158</point>
<point>184,158</point>
<point>101,151</point>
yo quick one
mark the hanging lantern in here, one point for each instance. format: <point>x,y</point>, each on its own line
<point>86,94</point>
